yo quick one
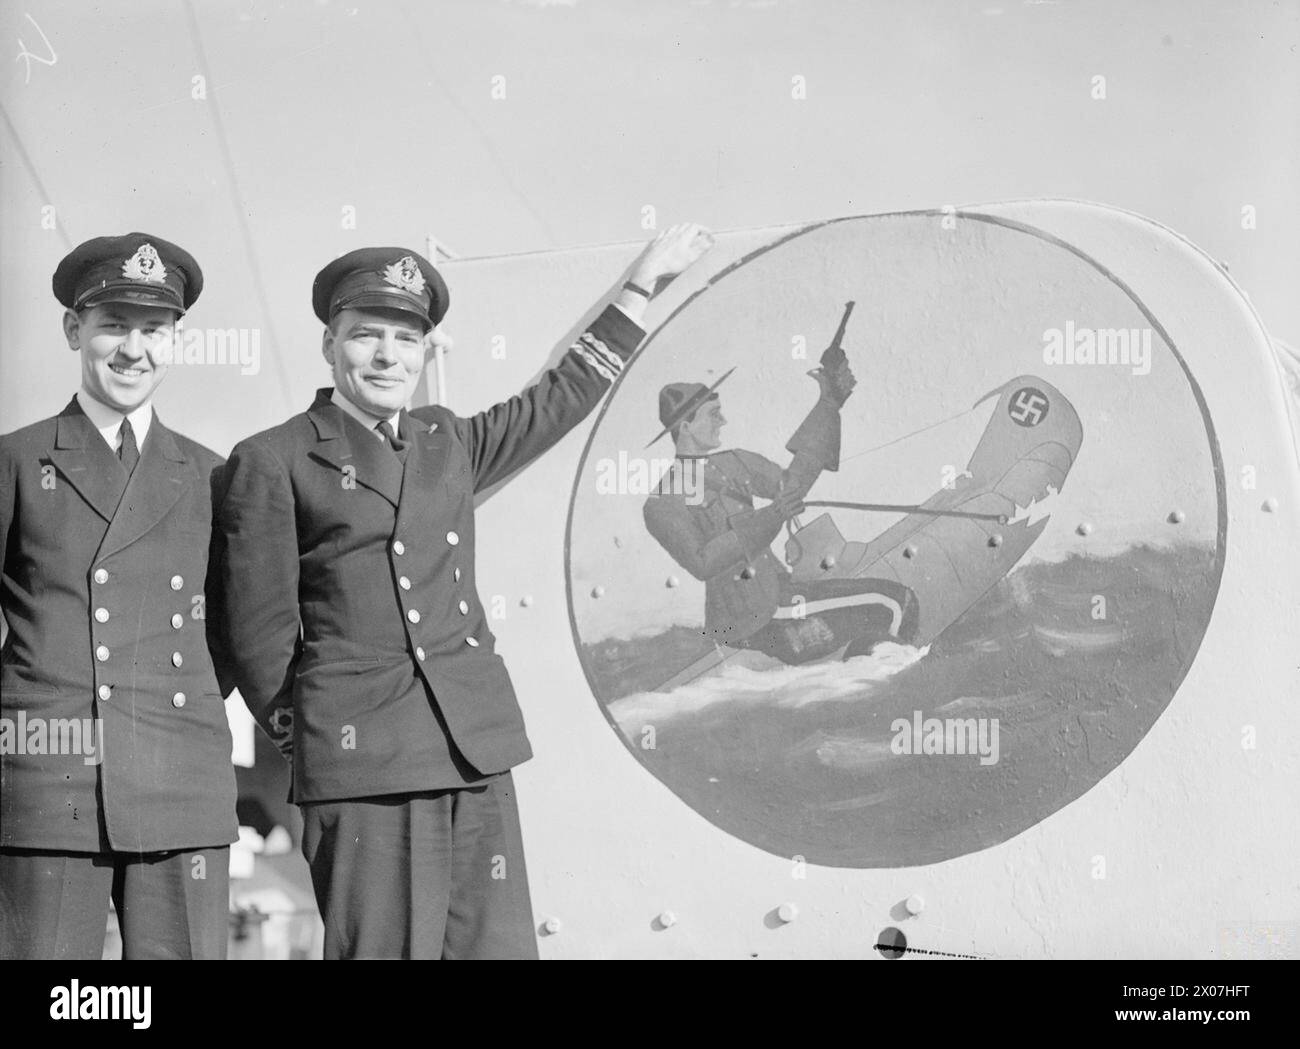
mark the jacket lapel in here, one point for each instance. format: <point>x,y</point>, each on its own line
<point>161,477</point>
<point>84,458</point>
<point>345,446</point>
<point>426,460</point>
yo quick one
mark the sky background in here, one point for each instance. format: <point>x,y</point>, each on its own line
<point>386,107</point>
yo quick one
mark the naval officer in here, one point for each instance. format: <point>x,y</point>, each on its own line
<point>115,755</point>
<point>354,625</point>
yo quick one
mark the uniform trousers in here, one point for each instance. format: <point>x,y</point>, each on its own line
<point>170,905</point>
<point>436,875</point>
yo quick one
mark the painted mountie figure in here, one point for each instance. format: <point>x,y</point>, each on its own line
<point>115,754</point>
<point>354,627</point>
<point>703,514</point>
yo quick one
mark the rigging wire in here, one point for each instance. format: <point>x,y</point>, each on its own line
<point>896,440</point>
<point>25,157</point>
<point>232,186</point>
<point>502,169</point>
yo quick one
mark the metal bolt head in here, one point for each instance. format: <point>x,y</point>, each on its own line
<point>667,919</point>
<point>1177,517</point>
<point>828,562</point>
<point>914,904</point>
<point>551,925</point>
<point>995,539</point>
<point>597,591</point>
<point>909,551</point>
<point>1084,528</point>
<point>672,581</point>
<point>747,572</point>
<point>787,912</point>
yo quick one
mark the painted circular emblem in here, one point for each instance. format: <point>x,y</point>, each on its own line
<point>927,565</point>
<point>1028,407</point>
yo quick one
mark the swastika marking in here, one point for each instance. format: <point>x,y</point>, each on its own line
<point>1028,406</point>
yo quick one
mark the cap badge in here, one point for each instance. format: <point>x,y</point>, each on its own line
<point>405,274</point>
<point>145,265</point>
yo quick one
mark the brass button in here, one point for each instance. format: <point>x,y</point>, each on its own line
<point>101,653</point>
<point>404,583</point>
<point>453,538</point>
<point>105,692</point>
<point>178,621</point>
<point>101,576</point>
<point>177,659</point>
<point>464,608</point>
<point>177,582</point>
<point>472,642</point>
<point>419,654</point>
<point>413,616</point>
<point>101,615</point>
<point>178,700</point>
<point>399,548</point>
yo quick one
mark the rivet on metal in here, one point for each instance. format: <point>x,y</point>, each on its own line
<point>909,551</point>
<point>1270,505</point>
<point>995,539</point>
<point>1084,529</point>
<point>1177,517</point>
<point>667,919</point>
<point>551,925</point>
<point>787,912</point>
<point>526,600</point>
<point>597,591</point>
<point>828,562</point>
<point>914,904</point>
<point>672,581</point>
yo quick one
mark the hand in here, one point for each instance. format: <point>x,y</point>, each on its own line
<point>670,253</point>
<point>836,382</point>
<point>788,503</point>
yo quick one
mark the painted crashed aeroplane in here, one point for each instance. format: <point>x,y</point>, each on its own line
<point>952,548</point>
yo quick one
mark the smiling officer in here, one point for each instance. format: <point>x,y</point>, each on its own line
<point>355,627</point>
<point>115,770</point>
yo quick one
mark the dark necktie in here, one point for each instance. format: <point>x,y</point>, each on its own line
<point>127,450</point>
<point>394,442</point>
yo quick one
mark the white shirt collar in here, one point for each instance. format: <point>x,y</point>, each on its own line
<point>366,420</point>
<point>109,421</point>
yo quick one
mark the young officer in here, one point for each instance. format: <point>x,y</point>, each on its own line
<point>115,770</point>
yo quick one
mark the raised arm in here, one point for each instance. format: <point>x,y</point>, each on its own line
<point>513,433</point>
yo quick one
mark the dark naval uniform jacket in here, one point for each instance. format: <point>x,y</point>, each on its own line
<point>702,512</point>
<point>102,589</point>
<point>353,626</point>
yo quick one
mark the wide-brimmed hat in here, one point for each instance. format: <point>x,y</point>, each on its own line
<point>678,400</point>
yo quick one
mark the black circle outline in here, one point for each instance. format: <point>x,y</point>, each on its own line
<point>1216,457</point>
